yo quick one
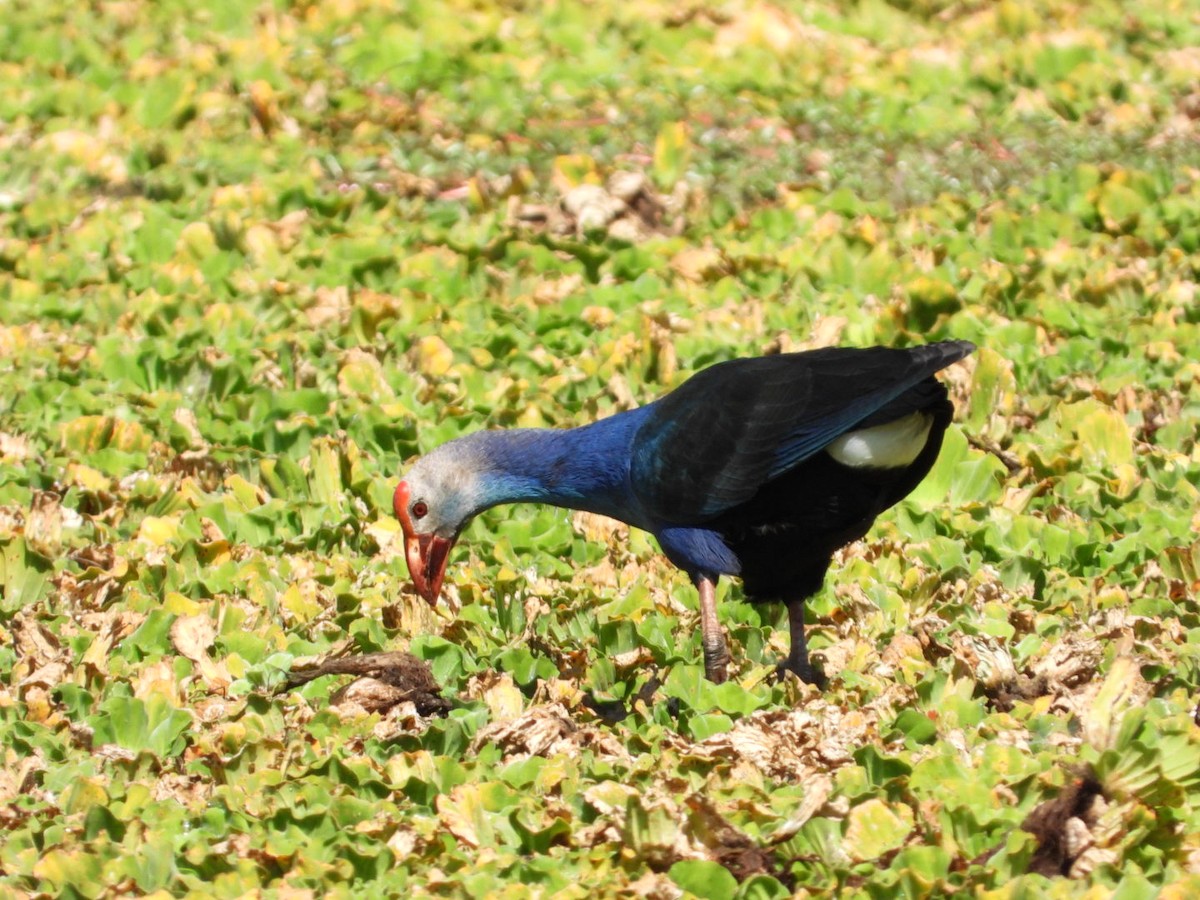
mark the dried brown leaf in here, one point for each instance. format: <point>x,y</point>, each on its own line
<point>14,447</point>
<point>794,745</point>
<point>19,773</point>
<point>192,636</point>
<point>541,731</point>
<point>44,524</point>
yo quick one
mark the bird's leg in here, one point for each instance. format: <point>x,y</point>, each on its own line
<point>797,658</point>
<point>716,656</point>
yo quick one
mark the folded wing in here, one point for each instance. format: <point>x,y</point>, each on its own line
<point>711,444</point>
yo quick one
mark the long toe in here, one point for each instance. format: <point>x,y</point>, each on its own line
<point>716,660</point>
<point>805,672</point>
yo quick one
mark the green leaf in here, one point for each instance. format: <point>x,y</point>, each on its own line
<point>762,887</point>
<point>1135,886</point>
<point>706,725</point>
<point>704,879</point>
<point>24,575</point>
<point>1119,206</point>
<point>922,870</point>
<point>448,661</point>
<point>916,726</point>
<point>152,726</point>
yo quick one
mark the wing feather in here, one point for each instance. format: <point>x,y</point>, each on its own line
<point>712,443</point>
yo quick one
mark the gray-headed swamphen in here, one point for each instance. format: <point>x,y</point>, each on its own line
<point>759,468</point>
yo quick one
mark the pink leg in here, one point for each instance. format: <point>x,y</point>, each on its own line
<point>716,656</point>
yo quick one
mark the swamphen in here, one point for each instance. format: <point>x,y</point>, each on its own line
<point>760,468</point>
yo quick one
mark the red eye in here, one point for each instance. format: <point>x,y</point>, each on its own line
<point>420,509</point>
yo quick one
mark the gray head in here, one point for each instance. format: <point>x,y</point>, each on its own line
<point>434,502</point>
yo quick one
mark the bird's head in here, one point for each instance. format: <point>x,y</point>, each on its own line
<point>434,502</point>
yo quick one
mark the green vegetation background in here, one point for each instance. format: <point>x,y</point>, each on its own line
<point>253,259</point>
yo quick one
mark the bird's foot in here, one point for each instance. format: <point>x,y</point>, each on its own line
<point>805,671</point>
<point>716,661</point>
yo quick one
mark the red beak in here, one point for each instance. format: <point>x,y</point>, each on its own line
<point>426,554</point>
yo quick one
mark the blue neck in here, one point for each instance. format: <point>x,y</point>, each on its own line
<point>579,468</point>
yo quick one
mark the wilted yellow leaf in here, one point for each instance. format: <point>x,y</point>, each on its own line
<point>158,531</point>
<point>875,827</point>
<point>598,316</point>
<point>867,229</point>
<point>764,25</point>
<point>699,264</point>
<point>87,478</point>
<point>433,356</point>
<point>993,395</point>
<point>197,241</point>
<point>672,153</point>
<point>1126,481</point>
<point>361,375</point>
<point>375,307</point>
<point>573,170</point>
<point>504,699</point>
<point>300,600</point>
<point>608,797</point>
<point>82,794</point>
<point>177,603</point>
<point>261,243</point>
<point>1105,435</point>
<point>87,434</point>
<point>462,812</point>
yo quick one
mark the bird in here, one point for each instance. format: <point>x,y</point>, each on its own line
<point>759,468</point>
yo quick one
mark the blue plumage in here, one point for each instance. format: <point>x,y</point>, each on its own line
<point>727,471</point>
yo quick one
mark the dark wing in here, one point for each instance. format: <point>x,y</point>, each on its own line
<point>709,445</point>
